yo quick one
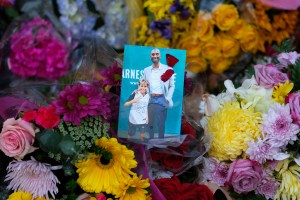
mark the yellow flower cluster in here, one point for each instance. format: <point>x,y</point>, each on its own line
<point>290,186</point>
<point>21,195</point>
<point>161,11</point>
<point>281,91</point>
<point>281,26</point>
<point>219,49</point>
<point>113,174</point>
<point>232,128</point>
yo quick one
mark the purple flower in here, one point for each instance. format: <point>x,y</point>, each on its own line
<point>33,177</point>
<point>216,172</point>
<point>294,102</point>
<point>287,59</point>
<point>267,187</point>
<point>163,27</point>
<point>268,76</point>
<point>262,150</point>
<point>278,126</point>
<point>80,101</point>
<point>177,7</point>
<point>38,50</point>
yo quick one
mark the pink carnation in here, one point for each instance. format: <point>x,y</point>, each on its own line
<point>37,50</point>
<point>268,76</point>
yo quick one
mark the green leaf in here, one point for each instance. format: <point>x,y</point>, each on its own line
<point>286,46</point>
<point>11,12</point>
<point>295,75</point>
<point>67,145</point>
<point>48,140</point>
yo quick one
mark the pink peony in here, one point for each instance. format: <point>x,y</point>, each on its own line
<point>269,76</point>
<point>16,138</point>
<point>38,50</point>
<point>289,58</point>
<point>244,175</point>
<point>294,102</point>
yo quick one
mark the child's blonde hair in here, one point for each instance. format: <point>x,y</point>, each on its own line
<point>143,80</point>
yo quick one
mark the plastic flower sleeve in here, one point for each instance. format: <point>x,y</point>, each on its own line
<point>95,61</point>
<point>35,49</point>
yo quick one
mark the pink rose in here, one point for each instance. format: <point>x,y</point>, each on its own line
<point>268,76</point>
<point>286,59</point>
<point>16,138</point>
<point>294,102</point>
<point>244,175</point>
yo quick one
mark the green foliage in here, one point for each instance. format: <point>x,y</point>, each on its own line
<point>295,75</point>
<point>84,136</point>
<point>56,144</point>
<point>249,196</point>
<point>286,46</point>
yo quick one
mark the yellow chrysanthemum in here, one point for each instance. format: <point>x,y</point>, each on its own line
<point>232,128</point>
<point>157,40</point>
<point>134,188</point>
<point>290,185</point>
<point>99,174</point>
<point>21,195</point>
<point>281,91</point>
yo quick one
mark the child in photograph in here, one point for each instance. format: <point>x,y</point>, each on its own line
<point>138,115</point>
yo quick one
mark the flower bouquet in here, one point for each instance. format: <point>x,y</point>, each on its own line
<point>255,129</point>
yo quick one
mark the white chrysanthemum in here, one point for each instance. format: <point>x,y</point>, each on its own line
<point>33,177</point>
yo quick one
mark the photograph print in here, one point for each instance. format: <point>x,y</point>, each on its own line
<point>151,93</point>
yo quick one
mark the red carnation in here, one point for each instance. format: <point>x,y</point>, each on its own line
<point>47,118</point>
<point>167,75</point>
<point>29,115</point>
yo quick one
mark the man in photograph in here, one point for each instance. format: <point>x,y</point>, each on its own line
<point>161,93</point>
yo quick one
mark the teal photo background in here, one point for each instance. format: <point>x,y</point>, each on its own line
<point>136,58</point>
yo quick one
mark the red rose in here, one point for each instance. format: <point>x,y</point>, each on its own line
<point>186,128</point>
<point>171,161</point>
<point>169,187</point>
<point>29,115</point>
<point>172,189</point>
<point>47,118</point>
<point>196,191</point>
<point>167,75</point>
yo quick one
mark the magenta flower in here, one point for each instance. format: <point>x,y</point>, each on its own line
<point>80,101</point>
<point>262,150</point>
<point>278,126</point>
<point>112,75</point>
<point>37,50</point>
<point>267,187</point>
<point>216,172</point>
<point>33,177</point>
